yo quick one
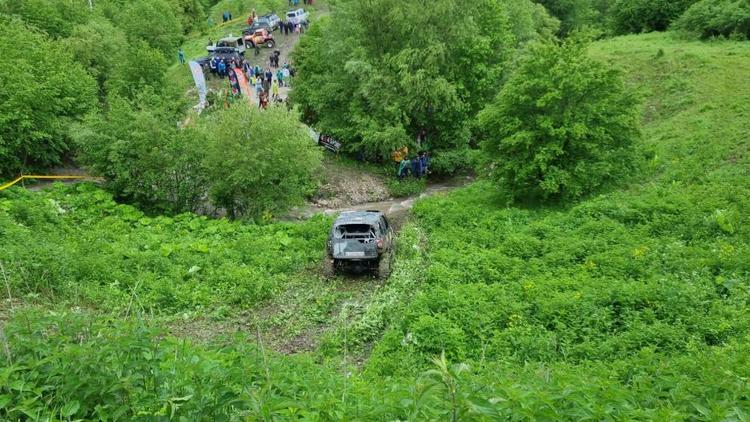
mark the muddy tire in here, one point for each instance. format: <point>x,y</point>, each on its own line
<point>329,268</point>
<point>384,265</point>
<point>269,44</point>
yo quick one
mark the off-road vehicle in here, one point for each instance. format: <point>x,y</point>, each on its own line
<point>235,43</point>
<point>260,37</point>
<point>360,240</point>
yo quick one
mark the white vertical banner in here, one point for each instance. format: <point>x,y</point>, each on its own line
<point>200,83</point>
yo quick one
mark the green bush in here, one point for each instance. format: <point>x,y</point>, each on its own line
<point>713,18</point>
<point>75,242</point>
<point>562,126</point>
<point>145,159</point>
<point>575,14</point>
<point>43,92</point>
<point>55,17</point>
<point>406,187</point>
<point>258,161</point>
<point>634,16</point>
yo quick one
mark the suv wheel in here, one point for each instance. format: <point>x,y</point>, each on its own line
<point>269,44</point>
<point>329,267</point>
<point>384,265</point>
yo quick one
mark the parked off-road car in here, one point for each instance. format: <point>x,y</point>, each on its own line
<point>260,37</point>
<point>235,43</point>
<point>360,240</point>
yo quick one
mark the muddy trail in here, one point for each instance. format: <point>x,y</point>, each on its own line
<point>310,307</point>
<point>392,207</point>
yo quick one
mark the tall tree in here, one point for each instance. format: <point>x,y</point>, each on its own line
<point>43,91</point>
<point>381,74</point>
<point>257,161</point>
<point>562,126</point>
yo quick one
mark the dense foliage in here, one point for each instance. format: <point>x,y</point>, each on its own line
<point>80,245</point>
<point>576,14</point>
<point>258,161</point>
<point>712,18</point>
<point>381,74</point>
<point>43,92</point>
<point>562,125</point>
<point>633,16</point>
<point>54,50</point>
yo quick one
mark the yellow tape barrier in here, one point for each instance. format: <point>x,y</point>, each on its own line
<point>19,178</point>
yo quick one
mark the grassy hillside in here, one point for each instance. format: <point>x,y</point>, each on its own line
<point>628,287</point>
<point>631,305</point>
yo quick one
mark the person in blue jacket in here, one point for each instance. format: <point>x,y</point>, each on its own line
<point>425,161</point>
<point>416,167</point>
<point>222,69</point>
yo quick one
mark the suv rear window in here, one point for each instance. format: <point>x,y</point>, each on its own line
<point>355,231</point>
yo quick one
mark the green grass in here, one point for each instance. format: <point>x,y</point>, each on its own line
<point>76,243</point>
<point>619,285</point>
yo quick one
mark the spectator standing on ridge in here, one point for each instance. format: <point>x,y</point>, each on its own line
<point>222,68</point>
<point>425,160</point>
<point>275,89</point>
<point>213,65</point>
<point>258,85</point>
<point>225,16</point>
<point>267,82</point>
<point>416,167</point>
<point>403,168</point>
<point>181,56</point>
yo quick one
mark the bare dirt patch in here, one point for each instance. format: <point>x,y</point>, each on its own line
<point>344,186</point>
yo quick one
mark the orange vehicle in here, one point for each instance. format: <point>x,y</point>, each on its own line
<point>259,37</point>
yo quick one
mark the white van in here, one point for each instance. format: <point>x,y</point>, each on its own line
<point>296,17</point>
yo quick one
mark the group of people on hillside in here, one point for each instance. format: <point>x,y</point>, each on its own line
<point>417,166</point>
<point>290,28</point>
<point>266,83</point>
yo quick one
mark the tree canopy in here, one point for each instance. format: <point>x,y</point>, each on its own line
<point>562,126</point>
<point>380,74</point>
<point>258,161</point>
<point>43,91</point>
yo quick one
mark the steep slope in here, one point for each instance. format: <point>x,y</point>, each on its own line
<point>616,298</point>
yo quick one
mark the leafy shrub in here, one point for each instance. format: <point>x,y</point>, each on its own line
<point>575,14</point>
<point>634,16</point>
<point>152,21</point>
<point>562,126</point>
<point>257,161</point>
<point>37,107</point>
<point>76,242</point>
<point>452,161</point>
<point>55,17</point>
<point>144,158</point>
<point>712,18</point>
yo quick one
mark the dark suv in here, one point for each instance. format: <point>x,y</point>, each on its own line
<point>360,240</point>
<point>269,22</point>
